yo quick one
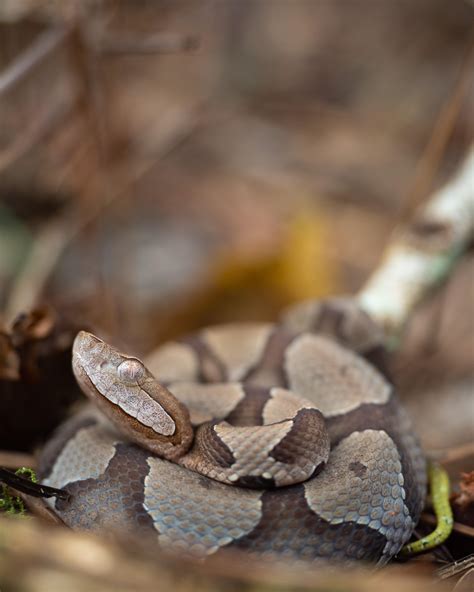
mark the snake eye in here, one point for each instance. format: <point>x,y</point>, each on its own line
<point>131,371</point>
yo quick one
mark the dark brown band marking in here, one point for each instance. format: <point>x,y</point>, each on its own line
<point>303,440</point>
<point>358,469</point>
<point>268,371</point>
<point>115,499</point>
<point>255,482</point>
<point>213,448</point>
<point>379,417</point>
<point>211,369</point>
<point>249,411</point>
<point>313,538</point>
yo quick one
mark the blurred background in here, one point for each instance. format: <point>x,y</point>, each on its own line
<point>168,164</point>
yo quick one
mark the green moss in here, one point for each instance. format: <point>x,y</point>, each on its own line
<point>28,473</point>
<point>12,504</point>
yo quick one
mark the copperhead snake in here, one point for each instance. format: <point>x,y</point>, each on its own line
<point>284,440</point>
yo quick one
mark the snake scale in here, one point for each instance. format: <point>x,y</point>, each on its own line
<point>281,440</point>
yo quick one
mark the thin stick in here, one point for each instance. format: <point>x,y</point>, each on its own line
<point>458,527</point>
<point>41,261</point>
<point>421,255</point>
<point>139,45</point>
<point>36,132</point>
<point>456,567</point>
<point>41,49</point>
<point>38,508</point>
<point>456,454</point>
<point>15,460</point>
<point>440,135</point>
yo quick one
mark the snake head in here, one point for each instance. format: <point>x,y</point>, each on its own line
<point>131,397</point>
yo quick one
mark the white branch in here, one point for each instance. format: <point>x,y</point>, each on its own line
<point>420,256</point>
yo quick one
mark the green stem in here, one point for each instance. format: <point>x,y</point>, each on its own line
<point>439,486</point>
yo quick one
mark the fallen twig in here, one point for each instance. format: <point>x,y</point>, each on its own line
<point>14,460</point>
<point>421,255</point>
<point>139,45</point>
<point>39,50</point>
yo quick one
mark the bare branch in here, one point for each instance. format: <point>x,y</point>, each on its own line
<point>421,255</point>
<point>31,57</point>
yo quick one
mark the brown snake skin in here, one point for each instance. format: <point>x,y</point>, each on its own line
<point>298,421</point>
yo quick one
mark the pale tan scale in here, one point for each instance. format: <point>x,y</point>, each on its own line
<point>85,456</point>
<point>173,361</point>
<point>238,510</point>
<point>250,448</point>
<point>239,441</point>
<point>334,378</point>
<point>238,347</point>
<point>207,402</point>
<point>283,404</point>
<point>344,491</point>
<point>263,377</point>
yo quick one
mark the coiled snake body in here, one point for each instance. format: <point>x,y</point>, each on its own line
<point>280,440</point>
